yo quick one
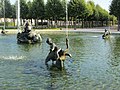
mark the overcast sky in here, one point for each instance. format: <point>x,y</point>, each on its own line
<point>103,3</point>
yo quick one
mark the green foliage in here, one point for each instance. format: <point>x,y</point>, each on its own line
<point>89,10</point>
<point>13,11</point>
<point>30,12</point>
<point>54,9</point>
<point>115,8</point>
<point>94,15</point>
<point>8,11</point>
<point>103,14</point>
<point>112,18</point>
<point>1,8</point>
<point>23,9</point>
<point>38,9</point>
<point>63,12</point>
<point>77,8</point>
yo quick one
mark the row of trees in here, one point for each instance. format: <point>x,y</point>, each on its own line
<point>85,13</point>
<point>115,10</point>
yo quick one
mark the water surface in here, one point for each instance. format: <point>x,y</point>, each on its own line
<point>95,64</point>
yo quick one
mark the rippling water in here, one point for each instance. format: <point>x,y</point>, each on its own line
<point>95,64</point>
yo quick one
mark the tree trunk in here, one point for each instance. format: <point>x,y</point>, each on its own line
<point>21,22</point>
<point>82,23</point>
<point>55,22</point>
<point>75,23</point>
<point>102,23</point>
<point>118,23</point>
<point>35,22</point>
<point>14,22</point>
<point>92,24</point>
<point>42,23</point>
<point>31,22</point>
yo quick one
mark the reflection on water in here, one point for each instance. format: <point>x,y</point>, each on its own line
<point>28,47</point>
<point>115,57</point>
<point>55,75</point>
<point>95,64</point>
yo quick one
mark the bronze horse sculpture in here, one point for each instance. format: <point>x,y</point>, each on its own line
<point>56,54</point>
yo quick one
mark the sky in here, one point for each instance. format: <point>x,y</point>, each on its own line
<point>103,3</point>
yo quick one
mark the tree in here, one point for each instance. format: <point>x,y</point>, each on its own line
<point>115,10</point>
<point>30,11</point>
<point>38,9</point>
<point>113,19</point>
<point>77,8</point>
<point>103,15</point>
<point>13,13</point>
<point>8,9</point>
<point>95,15</point>
<point>54,9</point>
<point>89,12</point>
<point>5,5</point>
<point>23,9</point>
<point>29,4</point>
<point>63,11</point>
<point>1,7</point>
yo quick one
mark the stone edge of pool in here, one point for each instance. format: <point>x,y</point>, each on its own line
<point>14,31</point>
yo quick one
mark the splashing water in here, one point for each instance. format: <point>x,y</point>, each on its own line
<point>94,36</point>
<point>12,57</point>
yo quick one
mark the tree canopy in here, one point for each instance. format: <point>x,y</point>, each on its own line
<point>23,9</point>
<point>38,9</point>
<point>8,8</point>
<point>115,10</point>
<point>77,8</point>
<point>55,10</point>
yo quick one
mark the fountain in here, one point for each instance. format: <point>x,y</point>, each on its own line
<point>27,35</point>
<point>57,54</point>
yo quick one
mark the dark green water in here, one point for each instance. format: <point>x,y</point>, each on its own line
<point>95,64</point>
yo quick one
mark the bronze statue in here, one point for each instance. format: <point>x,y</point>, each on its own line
<point>28,36</point>
<point>56,54</point>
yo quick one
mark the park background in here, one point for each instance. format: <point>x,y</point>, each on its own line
<point>52,13</point>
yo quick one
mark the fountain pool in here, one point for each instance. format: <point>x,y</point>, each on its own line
<point>95,63</point>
